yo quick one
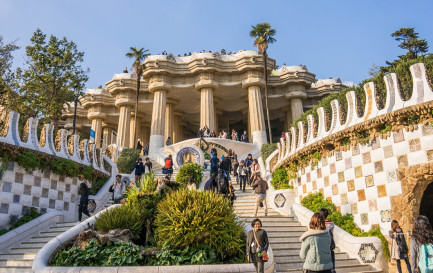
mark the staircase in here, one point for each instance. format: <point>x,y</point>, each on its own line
<point>19,258</point>
<point>283,233</point>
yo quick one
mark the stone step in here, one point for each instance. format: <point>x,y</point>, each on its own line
<point>50,233</point>
<point>26,256</point>
<point>66,224</point>
<point>18,262</point>
<point>277,218</point>
<point>43,239</point>
<point>291,254</point>
<point>16,269</point>
<point>339,269</point>
<point>24,250</point>
<point>62,229</point>
<point>270,229</point>
<point>32,244</point>
<point>282,235</point>
<point>296,261</point>
<point>285,240</point>
<point>291,246</point>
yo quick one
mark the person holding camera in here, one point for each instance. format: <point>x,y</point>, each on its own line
<point>257,246</point>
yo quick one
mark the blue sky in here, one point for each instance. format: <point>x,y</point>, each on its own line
<point>333,38</point>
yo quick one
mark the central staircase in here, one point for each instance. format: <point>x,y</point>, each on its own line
<point>283,233</point>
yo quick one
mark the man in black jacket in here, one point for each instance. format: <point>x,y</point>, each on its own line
<point>225,165</point>
<point>248,163</point>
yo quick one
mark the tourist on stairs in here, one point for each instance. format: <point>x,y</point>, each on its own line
<point>330,229</point>
<point>168,166</point>
<point>315,248</point>
<point>222,184</point>
<point>260,187</point>
<point>225,165</point>
<point>213,151</point>
<point>257,246</point>
<point>399,249</point>
<point>139,169</point>
<point>147,165</point>
<point>214,162</point>
<point>421,244</point>
<point>255,167</point>
<point>248,163</point>
<point>242,173</point>
<point>84,201</point>
<point>244,137</point>
<point>118,189</point>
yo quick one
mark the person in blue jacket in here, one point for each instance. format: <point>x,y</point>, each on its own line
<point>139,169</point>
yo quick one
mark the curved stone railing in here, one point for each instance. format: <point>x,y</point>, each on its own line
<point>299,139</point>
<point>40,263</point>
<point>367,250</point>
<point>53,145</point>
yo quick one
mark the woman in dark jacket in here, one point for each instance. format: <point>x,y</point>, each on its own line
<point>399,249</point>
<point>422,234</point>
<point>139,169</point>
<point>257,245</point>
<point>84,201</point>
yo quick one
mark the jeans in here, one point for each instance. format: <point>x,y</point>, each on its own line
<point>243,181</point>
<point>259,264</point>
<point>333,259</point>
<point>227,173</point>
<point>82,208</point>
<point>258,200</point>
<point>406,259</point>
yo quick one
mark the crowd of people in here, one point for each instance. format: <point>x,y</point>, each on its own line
<point>222,52</point>
<point>206,132</point>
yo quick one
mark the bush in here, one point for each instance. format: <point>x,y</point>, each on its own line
<point>315,201</point>
<point>267,149</point>
<point>123,217</point>
<point>125,163</point>
<point>15,222</point>
<point>95,254</point>
<point>195,218</point>
<point>280,180</point>
<point>66,167</point>
<point>187,170</point>
<point>97,185</point>
<point>188,255</point>
<point>28,160</point>
<point>87,173</point>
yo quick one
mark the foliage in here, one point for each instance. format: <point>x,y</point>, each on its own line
<point>187,170</point>
<point>28,160</point>
<point>125,163</point>
<point>47,83</point>
<point>280,180</point>
<point>292,170</point>
<point>267,149</point>
<point>122,217</point>
<point>95,254</point>
<point>194,218</point>
<point>15,222</point>
<point>88,172</point>
<point>412,119</point>
<point>3,231</point>
<point>410,41</point>
<point>148,183</point>
<point>363,137</point>
<point>7,75</point>
<point>66,167</point>
<point>387,127</point>
<point>264,35</point>
<point>188,255</point>
<point>97,185</point>
<point>207,156</point>
<point>345,141</point>
<point>315,201</point>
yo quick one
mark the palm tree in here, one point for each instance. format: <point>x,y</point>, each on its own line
<point>139,55</point>
<point>264,35</point>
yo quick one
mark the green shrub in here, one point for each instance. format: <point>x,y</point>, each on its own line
<point>122,217</point>
<point>267,149</point>
<point>31,214</point>
<point>387,127</point>
<point>315,201</point>
<point>97,185</point>
<point>66,167</point>
<point>88,172</point>
<point>3,231</point>
<point>187,170</point>
<point>194,218</point>
<point>188,255</point>
<point>28,160</point>
<point>95,254</point>
<point>126,161</point>
<point>280,180</point>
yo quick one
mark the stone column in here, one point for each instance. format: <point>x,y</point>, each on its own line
<point>97,127</point>
<point>137,133</point>
<point>145,133</point>
<point>296,94</point>
<point>96,115</point>
<point>106,134</point>
<point>169,120</point>
<point>176,127</point>
<point>256,116</point>
<point>217,114</point>
<point>206,85</point>
<point>123,126</point>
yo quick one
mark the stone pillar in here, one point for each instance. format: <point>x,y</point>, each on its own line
<point>296,94</point>
<point>137,133</point>
<point>97,127</point>
<point>297,108</point>
<point>256,116</point>
<point>123,126</point>
<point>206,85</point>
<point>169,120</point>
<point>145,133</point>
<point>107,132</point>
<point>176,127</point>
<point>217,114</point>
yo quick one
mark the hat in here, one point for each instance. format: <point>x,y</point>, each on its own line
<point>242,161</point>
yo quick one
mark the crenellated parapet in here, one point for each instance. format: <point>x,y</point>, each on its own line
<point>59,145</point>
<point>307,138</point>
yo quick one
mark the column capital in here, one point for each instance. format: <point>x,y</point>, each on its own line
<point>159,82</point>
<point>178,113</point>
<point>253,77</point>
<point>296,95</point>
<point>206,80</point>
<point>218,112</point>
<point>125,99</point>
<point>172,101</point>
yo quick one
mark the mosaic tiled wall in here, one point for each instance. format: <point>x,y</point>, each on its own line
<point>362,180</point>
<point>20,190</point>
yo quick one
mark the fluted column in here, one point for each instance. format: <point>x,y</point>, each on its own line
<point>169,120</point>
<point>123,126</point>
<point>297,108</point>
<point>207,108</point>
<point>176,127</point>
<point>137,133</point>
<point>107,132</point>
<point>97,127</point>
<point>217,114</point>
<point>145,133</point>
<point>257,119</point>
<point>296,94</point>
<point>158,119</point>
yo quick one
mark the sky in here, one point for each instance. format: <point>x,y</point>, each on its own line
<point>332,38</point>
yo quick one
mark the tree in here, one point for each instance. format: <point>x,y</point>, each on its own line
<point>53,69</point>
<point>264,36</point>
<point>139,55</point>
<point>410,41</point>
<point>7,75</point>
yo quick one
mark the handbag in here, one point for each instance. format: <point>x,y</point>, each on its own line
<point>259,253</point>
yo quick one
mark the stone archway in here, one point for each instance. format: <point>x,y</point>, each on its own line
<point>414,182</point>
<point>426,206</point>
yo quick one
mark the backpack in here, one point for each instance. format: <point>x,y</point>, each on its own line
<point>222,184</point>
<point>425,262</point>
<point>167,164</point>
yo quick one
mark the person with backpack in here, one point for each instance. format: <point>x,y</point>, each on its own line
<point>225,166</point>
<point>84,201</point>
<point>260,187</point>
<point>315,246</point>
<point>214,162</point>
<point>399,249</point>
<point>222,184</point>
<point>330,229</point>
<point>168,166</point>
<point>242,174</point>
<point>421,246</point>
<point>139,169</point>
<point>235,166</point>
<point>210,185</point>
<point>213,151</point>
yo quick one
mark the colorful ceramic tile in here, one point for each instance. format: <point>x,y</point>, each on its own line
<point>326,181</point>
<point>322,191</point>
<point>358,171</point>
<point>319,173</point>
<point>335,189</point>
<point>375,143</point>
<point>361,195</point>
<point>341,177</point>
<point>314,185</point>
<point>304,188</point>
<point>381,190</point>
<point>369,181</point>
<point>324,161</point>
<point>355,150</point>
<point>414,145</point>
<point>344,200</point>
<point>398,136</point>
<point>354,208</point>
<point>329,198</point>
<point>19,177</point>
<point>387,151</point>
<point>332,168</point>
<point>338,155</point>
<point>429,155</point>
<point>364,218</point>
<point>366,158</point>
<point>378,166</point>
<point>391,176</point>
<point>351,185</point>
<point>348,163</point>
<point>402,161</point>
<point>385,216</point>
<point>372,205</point>
<point>427,130</point>
<point>308,177</point>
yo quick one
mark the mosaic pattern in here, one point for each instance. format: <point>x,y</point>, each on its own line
<point>368,253</point>
<point>279,200</point>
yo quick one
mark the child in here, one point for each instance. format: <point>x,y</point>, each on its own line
<point>330,228</point>
<point>84,201</point>
<point>118,188</point>
<point>399,249</point>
